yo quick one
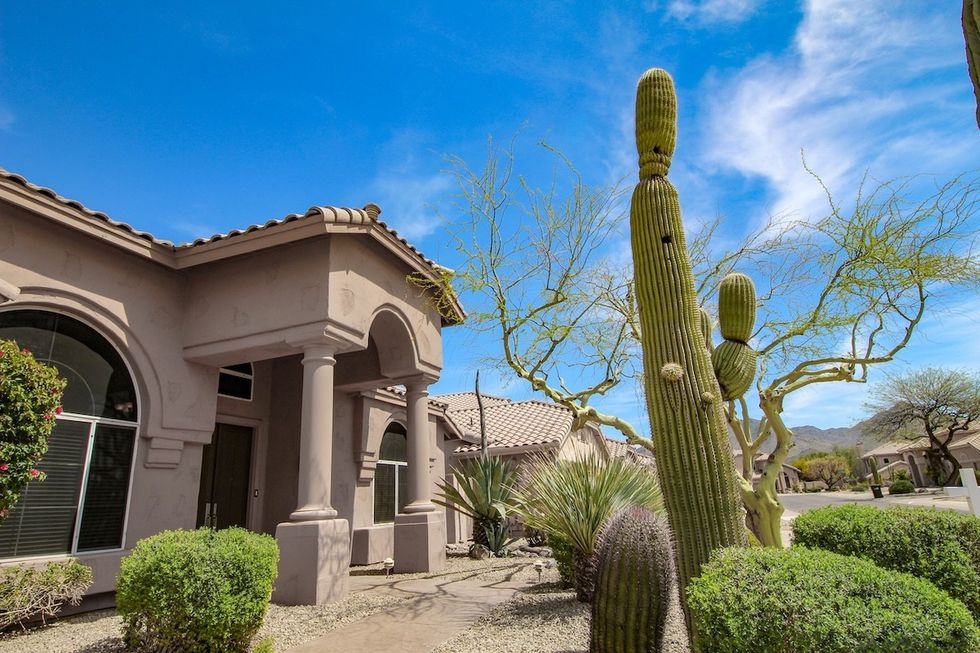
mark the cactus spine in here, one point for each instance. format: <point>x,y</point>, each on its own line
<point>733,360</point>
<point>636,608</point>
<point>697,472</point>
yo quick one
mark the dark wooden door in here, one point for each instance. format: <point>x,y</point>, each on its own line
<point>225,467</point>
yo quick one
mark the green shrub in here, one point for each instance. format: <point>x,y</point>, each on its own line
<point>196,591</point>
<point>27,592</point>
<point>807,600</point>
<point>901,486</point>
<point>564,558</point>
<point>939,545</point>
<point>30,400</point>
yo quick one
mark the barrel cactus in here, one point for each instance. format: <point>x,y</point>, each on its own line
<point>636,606</point>
<point>733,360</point>
<point>684,400</point>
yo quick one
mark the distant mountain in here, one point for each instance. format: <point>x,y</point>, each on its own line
<point>810,438</point>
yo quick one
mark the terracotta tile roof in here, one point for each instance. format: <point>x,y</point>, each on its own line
<point>368,215</point>
<point>515,424</point>
<point>968,439</point>
<point>467,400</point>
<point>78,206</point>
<point>887,449</point>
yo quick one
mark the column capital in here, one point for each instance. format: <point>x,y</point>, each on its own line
<point>319,353</point>
<point>420,383</point>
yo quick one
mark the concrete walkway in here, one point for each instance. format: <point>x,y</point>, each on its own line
<point>440,608</point>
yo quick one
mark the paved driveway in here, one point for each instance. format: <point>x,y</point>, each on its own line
<point>800,503</point>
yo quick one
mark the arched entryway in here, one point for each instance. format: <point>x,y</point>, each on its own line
<point>82,505</point>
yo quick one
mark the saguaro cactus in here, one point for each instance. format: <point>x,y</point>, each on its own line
<point>683,398</point>
<point>636,607</point>
<point>733,360</point>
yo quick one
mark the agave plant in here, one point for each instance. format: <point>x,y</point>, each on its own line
<point>572,499</point>
<point>483,489</point>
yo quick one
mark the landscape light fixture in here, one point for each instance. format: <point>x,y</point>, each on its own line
<point>388,564</point>
<point>539,567</point>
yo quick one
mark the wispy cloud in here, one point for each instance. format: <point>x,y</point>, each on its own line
<point>859,88</point>
<point>6,117</point>
<point>704,13</point>
<point>409,185</point>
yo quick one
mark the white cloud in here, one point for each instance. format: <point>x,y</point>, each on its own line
<point>859,88</point>
<point>711,12</point>
<point>6,117</point>
<point>409,184</point>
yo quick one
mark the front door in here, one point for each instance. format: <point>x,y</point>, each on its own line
<point>225,466</point>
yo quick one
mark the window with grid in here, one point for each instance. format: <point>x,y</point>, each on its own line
<point>390,476</point>
<point>82,504</point>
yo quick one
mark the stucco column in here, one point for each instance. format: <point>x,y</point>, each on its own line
<point>316,436</point>
<point>419,483</point>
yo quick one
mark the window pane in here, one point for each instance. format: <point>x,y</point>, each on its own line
<point>98,381</point>
<point>384,493</point>
<point>43,520</point>
<point>393,444</point>
<point>234,386</point>
<point>241,368</point>
<point>104,511</point>
<point>402,472</point>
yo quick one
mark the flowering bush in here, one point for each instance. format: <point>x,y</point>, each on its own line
<point>30,400</point>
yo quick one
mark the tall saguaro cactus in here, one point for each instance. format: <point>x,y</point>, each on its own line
<point>683,397</point>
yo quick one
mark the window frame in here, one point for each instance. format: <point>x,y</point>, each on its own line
<point>94,422</point>
<point>241,375</point>
<point>395,464</point>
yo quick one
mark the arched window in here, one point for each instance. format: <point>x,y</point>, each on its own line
<point>81,505</point>
<point>390,477</point>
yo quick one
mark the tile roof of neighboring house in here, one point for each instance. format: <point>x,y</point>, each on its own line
<point>367,216</point>
<point>400,391</point>
<point>467,400</point>
<point>968,439</point>
<point>621,449</point>
<point>887,449</point>
<point>515,424</point>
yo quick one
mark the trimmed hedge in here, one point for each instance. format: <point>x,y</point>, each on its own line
<point>196,591</point>
<point>901,486</point>
<point>807,600</point>
<point>941,546</point>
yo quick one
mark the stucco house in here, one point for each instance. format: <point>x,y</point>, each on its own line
<point>789,476</point>
<point>910,455</point>
<point>241,379</point>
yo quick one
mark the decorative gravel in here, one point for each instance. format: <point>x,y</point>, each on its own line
<point>541,619</point>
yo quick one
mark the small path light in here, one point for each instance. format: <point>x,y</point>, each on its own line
<point>539,566</point>
<point>388,564</point>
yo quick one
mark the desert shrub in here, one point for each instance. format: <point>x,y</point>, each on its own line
<point>799,599</point>
<point>564,558</point>
<point>572,499</point>
<point>196,591</point>
<point>28,592</point>
<point>941,546</point>
<point>859,486</point>
<point>30,400</point>
<point>901,486</point>
<point>482,488</point>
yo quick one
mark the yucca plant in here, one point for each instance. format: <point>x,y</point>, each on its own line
<point>483,491</point>
<point>572,499</point>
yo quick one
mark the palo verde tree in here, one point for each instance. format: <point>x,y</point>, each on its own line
<point>933,403</point>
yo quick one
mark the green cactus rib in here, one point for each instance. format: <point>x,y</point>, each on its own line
<point>683,398</point>
<point>636,605</point>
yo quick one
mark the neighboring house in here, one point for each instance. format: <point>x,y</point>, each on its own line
<point>789,476</point>
<point>517,430</point>
<point>911,456</point>
<point>240,379</point>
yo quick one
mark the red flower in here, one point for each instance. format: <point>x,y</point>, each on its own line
<point>4,467</point>
<point>57,411</point>
<point>48,418</point>
<point>35,473</point>
<point>25,350</point>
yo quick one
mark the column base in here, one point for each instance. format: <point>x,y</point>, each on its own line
<point>314,561</point>
<point>420,542</point>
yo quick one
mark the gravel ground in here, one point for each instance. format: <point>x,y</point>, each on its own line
<point>99,632</point>
<point>542,619</point>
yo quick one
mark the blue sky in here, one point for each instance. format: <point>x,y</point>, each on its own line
<point>185,120</point>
